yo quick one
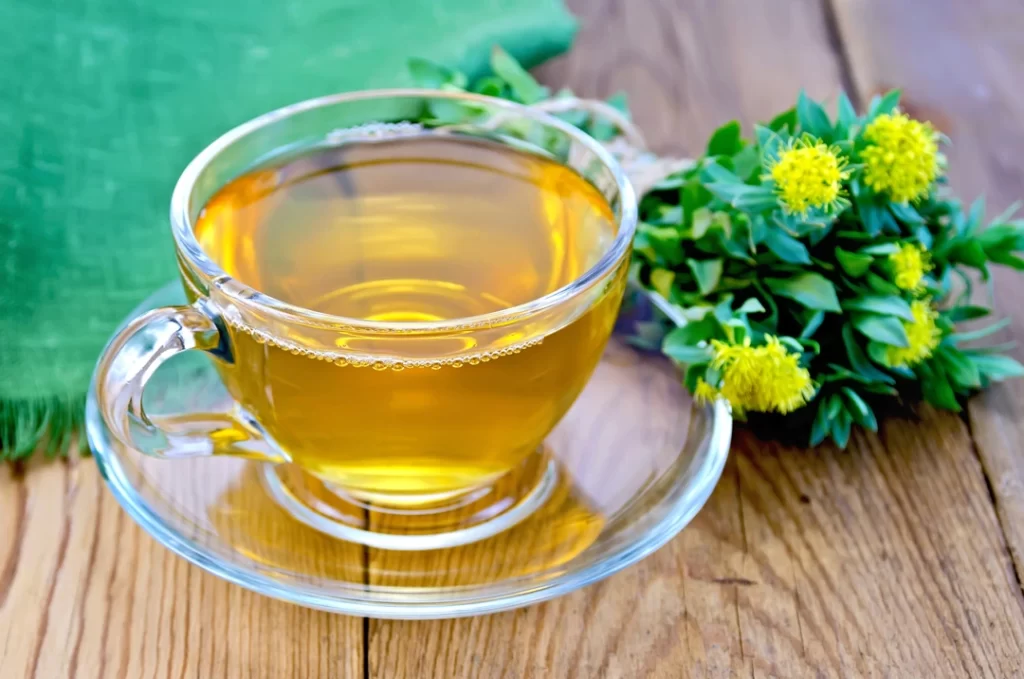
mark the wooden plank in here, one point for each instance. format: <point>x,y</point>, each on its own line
<point>884,560</point>
<point>961,65</point>
<point>898,564</point>
<point>687,67</point>
<point>85,593</point>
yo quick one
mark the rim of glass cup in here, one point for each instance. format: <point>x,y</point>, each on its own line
<point>188,246</point>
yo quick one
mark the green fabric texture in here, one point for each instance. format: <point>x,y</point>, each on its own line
<point>105,102</point>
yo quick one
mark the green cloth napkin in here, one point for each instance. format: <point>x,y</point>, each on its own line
<point>103,104</point>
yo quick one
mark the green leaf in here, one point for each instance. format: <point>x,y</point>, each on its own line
<point>887,305</point>
<point>924,235</point>
<point>751,306</point>
<point>966,313</point>
<point>960,369</point>
<point>747,163</point>
<point>694,332</point>
<point>694,196</point>
<point>694,372</point>
<point>1006,259</point>
<point>785,247</point>
<point>820,428</point>
<point>884,329</point>
<point>872,215</point>
<point>860,410</point>
<point>1002,237</point>
<point>969,252</point>
<point>935,387</point>
<point>434,76</point>
<point>880,249</point>
<point>905,213</point>
<point>835,404</point>
<point>493,86</point>
<point>661,281</point>
<point>970,336</point>
<point>707,272</point>
<point>853,263</point>
<point>859,361</point>
<point>602,129</point>
<point>726,140</point>
<point>685,353</point>
<point>812,290</point>
<point>880,285</point>
<point>883,104</point>
<point>770,144</point>
<point>524,86</point>
<point>812,117</point>
<point>976,214</point>
<point>785,120</point>
<point>847,114</point>
<point>996,368</point>
<point>879,353</point>
<point>663,240</point>
<point>743,196</point>
<point>813,323</point>
<point>841,428</point>
<point>714,172</point>
<point>701,223</point>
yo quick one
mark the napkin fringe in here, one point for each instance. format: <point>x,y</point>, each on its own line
<point>51,425</point>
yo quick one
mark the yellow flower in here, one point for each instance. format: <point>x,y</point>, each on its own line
<point>909,265</point>
<point>809,174</point>
<point>767,378</point>
<point>902,158</point>
<point>704,393</point>
<point>923,335</point>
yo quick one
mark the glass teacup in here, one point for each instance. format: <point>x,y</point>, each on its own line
<point>398,404</point>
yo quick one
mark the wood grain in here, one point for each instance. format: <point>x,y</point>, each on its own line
<point>85,593</point>
<point>971,89</point>
<point>886,560</point>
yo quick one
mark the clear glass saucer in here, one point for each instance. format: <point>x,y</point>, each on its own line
<point>635,462</point>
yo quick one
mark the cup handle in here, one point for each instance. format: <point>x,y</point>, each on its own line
<point>132,357</point>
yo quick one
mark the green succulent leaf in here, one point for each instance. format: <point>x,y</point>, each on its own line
<point>892,305</point>
<point>853,263</point>
<point>859,361</point>
<point>960,369</point>
<point>524,86</point>
<point>846,113</point>
<point>996,368</point>
<point>880,104</point>
<point>726,140</point>
<point>884,329</point>
<point>812,290</point>
<point>812,117</point>
<point>786,247</point>
<point>784,121</point>
<point>708,273</point>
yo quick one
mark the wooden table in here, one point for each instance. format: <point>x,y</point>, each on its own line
<point>900,557</point>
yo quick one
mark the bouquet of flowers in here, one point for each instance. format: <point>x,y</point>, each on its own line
<point>814,274</point>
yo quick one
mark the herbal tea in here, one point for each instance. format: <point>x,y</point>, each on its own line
<point>426,228</point>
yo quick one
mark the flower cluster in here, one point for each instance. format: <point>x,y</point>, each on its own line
<point>901,158</point>
<point>767,378</point>
<point>813,270</point>
<point>809,174</point>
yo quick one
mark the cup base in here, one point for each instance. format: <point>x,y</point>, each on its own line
<point>436,522</point>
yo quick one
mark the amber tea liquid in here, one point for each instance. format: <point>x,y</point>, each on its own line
<point>416,229</point>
